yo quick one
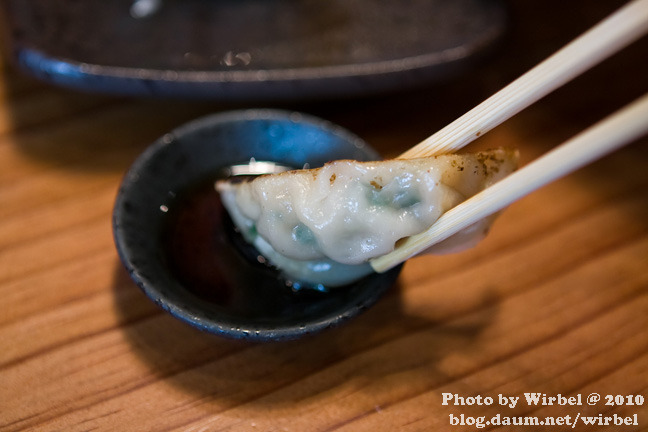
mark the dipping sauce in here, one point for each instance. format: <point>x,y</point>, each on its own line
<point>211,260</point>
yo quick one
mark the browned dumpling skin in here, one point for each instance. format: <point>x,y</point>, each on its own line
<point>350,212</point>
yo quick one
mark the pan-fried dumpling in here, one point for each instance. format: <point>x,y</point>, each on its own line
<point>347,212</point>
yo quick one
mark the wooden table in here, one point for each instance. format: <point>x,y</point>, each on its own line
<point>554,301</point>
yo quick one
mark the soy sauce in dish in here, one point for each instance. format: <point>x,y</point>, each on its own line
<point>210,259</point>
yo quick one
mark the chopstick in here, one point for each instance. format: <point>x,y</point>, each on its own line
<point>601,41</point>
<point>608,135</point>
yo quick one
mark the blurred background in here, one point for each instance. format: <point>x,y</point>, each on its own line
<point>408,69</point>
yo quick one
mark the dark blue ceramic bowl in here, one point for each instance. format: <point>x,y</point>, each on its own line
<point>179,247</point>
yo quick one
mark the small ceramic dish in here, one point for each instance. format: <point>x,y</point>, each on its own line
<point>179,246</point>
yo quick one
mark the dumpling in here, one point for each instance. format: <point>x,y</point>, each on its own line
<point>348,212</point>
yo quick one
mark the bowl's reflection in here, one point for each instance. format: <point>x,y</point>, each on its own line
<point>177,244</point>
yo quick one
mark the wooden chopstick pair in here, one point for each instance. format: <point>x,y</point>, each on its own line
<point>611,35</point>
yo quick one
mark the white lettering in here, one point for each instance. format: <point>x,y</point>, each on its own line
<point>532,398</point>
<point>510,401</point>
<point>446,398</point>
<point>455,399</point>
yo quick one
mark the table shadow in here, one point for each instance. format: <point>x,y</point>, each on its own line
<point>382,341</point>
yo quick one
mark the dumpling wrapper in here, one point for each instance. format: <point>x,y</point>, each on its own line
<point>348,212</point>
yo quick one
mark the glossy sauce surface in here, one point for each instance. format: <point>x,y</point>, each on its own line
<point>212,261</point>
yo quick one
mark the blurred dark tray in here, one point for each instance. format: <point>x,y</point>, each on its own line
<point>249,49</point>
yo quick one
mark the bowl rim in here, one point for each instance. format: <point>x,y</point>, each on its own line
<point>198,318</point>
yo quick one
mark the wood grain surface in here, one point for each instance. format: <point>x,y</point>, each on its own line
<point>554,301</point>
